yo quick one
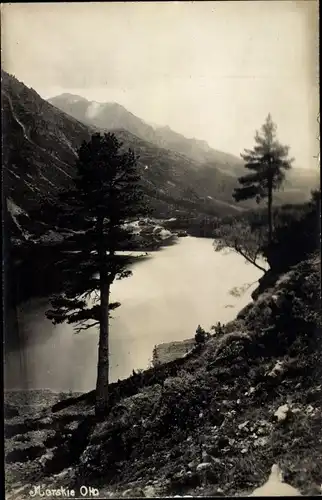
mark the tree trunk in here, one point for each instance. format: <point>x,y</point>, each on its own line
<point>102,394</point>
<point>269,208</point>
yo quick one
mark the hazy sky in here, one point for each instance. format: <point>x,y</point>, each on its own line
<point>212,70</point>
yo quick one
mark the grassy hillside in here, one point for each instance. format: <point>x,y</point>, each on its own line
<point>204,425</point>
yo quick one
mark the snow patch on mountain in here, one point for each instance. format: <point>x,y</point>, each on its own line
<point>15,211</point>
<point>45,179</point>
<point>14,174</point>
<point>75,99</point>
<point>93,109</point>
<point>68,143</point>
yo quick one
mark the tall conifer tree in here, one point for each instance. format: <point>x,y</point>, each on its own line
<point>268,161</point>
<point>105,195</point>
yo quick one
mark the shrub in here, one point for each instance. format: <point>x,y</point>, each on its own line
<point>296,235</point>
<point>201,336</point>
<point>184,399</point>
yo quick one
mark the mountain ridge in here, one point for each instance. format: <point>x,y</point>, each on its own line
<point>112,115</point>
<point>40,149</point>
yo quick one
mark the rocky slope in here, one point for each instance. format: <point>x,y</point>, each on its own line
<point>40,143</point>
<point>212,423</point>
<point>39,149</point>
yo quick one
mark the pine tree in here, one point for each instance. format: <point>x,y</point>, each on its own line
<point>104,197</point>
<point>268,161</point>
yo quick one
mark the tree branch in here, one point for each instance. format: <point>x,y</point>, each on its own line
<point>238,250</point>
<point>86,326</point>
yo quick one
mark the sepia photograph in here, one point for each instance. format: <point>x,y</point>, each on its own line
<point>161,208</point>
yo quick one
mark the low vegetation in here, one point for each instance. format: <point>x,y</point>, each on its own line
<point>296,234</point>
<point>212,423</point>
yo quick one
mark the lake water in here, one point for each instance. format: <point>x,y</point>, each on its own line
<point>169,294</point>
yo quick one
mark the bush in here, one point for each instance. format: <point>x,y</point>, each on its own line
<point>201,335</point>
<point>183,400</point>
<point>296,235</point>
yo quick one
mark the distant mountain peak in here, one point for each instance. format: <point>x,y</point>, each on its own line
<point>72,97</point>
<point>113,116</point>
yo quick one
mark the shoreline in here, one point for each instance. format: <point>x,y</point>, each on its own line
<point>169,345</point>
<point>30,273</point>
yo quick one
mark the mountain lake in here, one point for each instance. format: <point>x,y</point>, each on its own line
<point>170,293</point>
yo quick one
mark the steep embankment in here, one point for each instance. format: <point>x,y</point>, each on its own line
<point>213,423</point>
<point>39,151</point>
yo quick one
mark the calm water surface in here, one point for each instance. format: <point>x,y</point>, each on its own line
<point>169,294</point>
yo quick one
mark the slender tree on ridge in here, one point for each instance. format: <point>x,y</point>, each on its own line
<point>268,161</point>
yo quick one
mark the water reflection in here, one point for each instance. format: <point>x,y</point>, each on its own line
<point>169,294</point>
